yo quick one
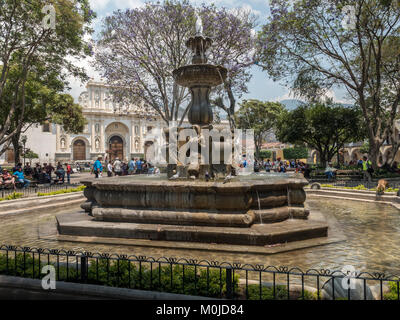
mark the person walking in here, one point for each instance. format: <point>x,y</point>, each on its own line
<point>131,166</point>
<point>69,171</point>
<point>367,169</point>
<point>117,167</point>
<point>97,168</point>
<point>109,169</point>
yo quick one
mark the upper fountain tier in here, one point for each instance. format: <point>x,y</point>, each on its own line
<point>199,72</point>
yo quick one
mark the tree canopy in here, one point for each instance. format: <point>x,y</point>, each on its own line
<point>325,127</point>
<point>354,44</point>
<point>139,48</point>
<point>43,101</point>
<point>259,116</point>
<point>27,41</point>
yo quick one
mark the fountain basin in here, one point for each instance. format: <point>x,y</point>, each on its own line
<point>200,75</point>
<point>250,210</point>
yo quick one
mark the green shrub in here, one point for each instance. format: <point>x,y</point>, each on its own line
<point>13,196</point>
<point>392,294</point>
<point>281,293</point>
<point>78,189</point>
<point>126,274</point>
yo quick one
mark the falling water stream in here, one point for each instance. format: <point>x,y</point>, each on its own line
<point>288,201</point>
<point>259,206</point>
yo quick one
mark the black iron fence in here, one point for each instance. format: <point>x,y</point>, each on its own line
<point>198,278</point>
<point>34,190</point>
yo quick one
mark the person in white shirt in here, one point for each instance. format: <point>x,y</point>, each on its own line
<point>117,167</point>
<point>109,169</point>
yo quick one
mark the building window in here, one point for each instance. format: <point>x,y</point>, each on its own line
<point>149,128</point>
<point>46,127</point>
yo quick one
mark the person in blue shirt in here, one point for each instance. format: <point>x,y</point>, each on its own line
<point>138,166</point>
<point>131,169</point>
<point>97,167</point>
<point>19,175</point>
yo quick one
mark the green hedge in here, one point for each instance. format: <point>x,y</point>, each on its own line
<point>265,154</point>
<point>295,153</point>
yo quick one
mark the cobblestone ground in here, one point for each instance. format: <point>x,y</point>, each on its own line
<point>372,231</point>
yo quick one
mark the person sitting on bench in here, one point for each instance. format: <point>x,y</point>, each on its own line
<point>7,179</point>
<point>330,172</point>
<point>21,178</point>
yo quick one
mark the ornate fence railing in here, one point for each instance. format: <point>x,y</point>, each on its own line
<point>33,190</point>
<point>198,278</point>
<point>355,183</point>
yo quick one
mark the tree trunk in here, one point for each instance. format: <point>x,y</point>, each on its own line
<point>17,154</point>
<point>374,152</point>
<point>322,158</point>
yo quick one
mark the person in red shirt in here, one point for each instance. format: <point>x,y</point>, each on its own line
<point>69,170</point>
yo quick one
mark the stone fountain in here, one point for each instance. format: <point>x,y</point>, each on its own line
<point>254,210</point>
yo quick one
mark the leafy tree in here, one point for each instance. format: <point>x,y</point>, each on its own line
<point>265,154</point>
<point>315,45</point>
<point>325,127</point>
<point>43,102</point>
<point>29,154</point>
<point>139,48</point>
<point>28,41</point>
<point>365,148</point>
<point>259,116</point>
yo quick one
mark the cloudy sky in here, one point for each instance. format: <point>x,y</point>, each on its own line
<point>260,87</point>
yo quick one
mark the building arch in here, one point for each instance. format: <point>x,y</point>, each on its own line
<point>117,135</point>
<point>116,146</point>
<point>80,148</point>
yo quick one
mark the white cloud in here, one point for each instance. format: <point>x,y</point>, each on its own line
<point>287,96</point>
<point>330,94</point>
<point>98,4</point>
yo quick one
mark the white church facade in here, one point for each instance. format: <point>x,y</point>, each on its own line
<point>112,130</point>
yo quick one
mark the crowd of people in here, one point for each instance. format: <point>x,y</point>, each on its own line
<point>123,168</point>
<point>283,166</point>
<point>363,164</point>
<point>46,173</point>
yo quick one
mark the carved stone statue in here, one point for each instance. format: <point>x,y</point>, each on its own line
<point>199,25</point>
